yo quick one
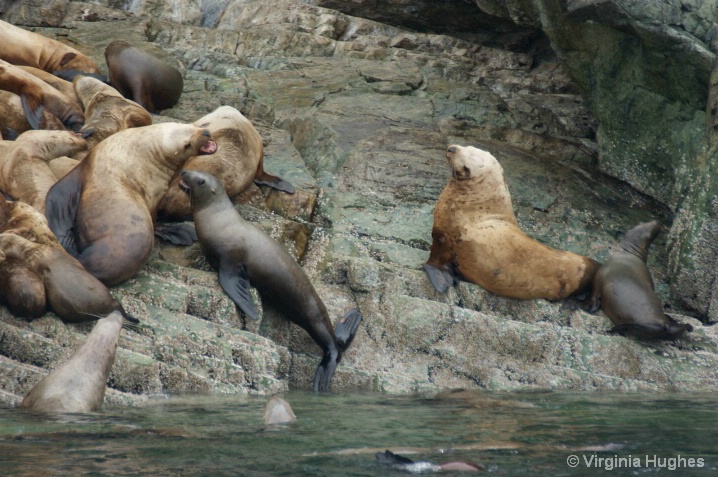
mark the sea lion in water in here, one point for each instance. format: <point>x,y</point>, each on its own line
<point>22,47</point>
<point>142,77</point>
<point>278,411</point>
<point>476,236</point>
<point>244,255</point>
<point>36,95</point>
<point>403,463</point>
<point>78,384</point>
<point>102,211</point>
<point>623,289</point>
<point>106,110</point>
<point>239,160</point>
<point>24,170</point>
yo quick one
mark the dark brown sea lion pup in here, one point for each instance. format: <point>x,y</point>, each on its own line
<point>78,384</point>
<point>23,47</point>
<point>623,289</point>
<point>244,255</point>
<point>142,77</point>
<point>36,96</point>
<point>102,212</point>
<point>106,110</point>
<point>238,161</point>
<point>476,236</point>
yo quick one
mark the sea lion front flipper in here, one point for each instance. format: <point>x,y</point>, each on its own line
<point>235,283</point>
<point>177,234</point>
<point>61,204</point>
<point>33,110</point>
<point>441,277</point>
<point>347,328</point>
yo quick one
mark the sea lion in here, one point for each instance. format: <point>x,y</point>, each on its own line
<point>476,236</point>
<point>24,170</point>
<point>278,411</point>
<point>72,293</point>
<point>238,161</point>
<point>61,166</point>
<point>23,47</point>
<point>78,384</point>
<point>21,290</point>
<point>24,220</point>
<point>63,86</point>
<point>142,77</point>
<point>13,121</point>
<point>623,289</point>
<point>106,110</point>
<point>102,211</point>
<point>404,463</point>
<point>244,255</point>
<point>36,95</point>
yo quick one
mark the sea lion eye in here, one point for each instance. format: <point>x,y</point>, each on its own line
<point>201,182</point>
<point>466,170</point>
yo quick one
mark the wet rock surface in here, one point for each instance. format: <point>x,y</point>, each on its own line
<point>357,113</point>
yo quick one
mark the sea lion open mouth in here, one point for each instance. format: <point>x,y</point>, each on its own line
<point>182,185</point>
<point>209,148</point>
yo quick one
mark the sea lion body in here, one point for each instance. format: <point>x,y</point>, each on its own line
<point>102,212</point>
<point>243,254</point>
<point>37,95</point>
<point>476,235</point>
<point>239,160</point>
<point>24,170</point>
<point>21,289</point>
<point>624,290</point>
<point>142,77</point>
<point>22,47</point>
<point>106,110</point>
<point>63,86</point>
<point>13,121</point>
<point>78,384</point>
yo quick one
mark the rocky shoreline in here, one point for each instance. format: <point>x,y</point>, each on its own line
<point>356,113</point>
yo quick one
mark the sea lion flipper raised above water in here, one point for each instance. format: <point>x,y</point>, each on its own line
<point>235,283</point>
<point>177,234</point>
<point>61,204</point>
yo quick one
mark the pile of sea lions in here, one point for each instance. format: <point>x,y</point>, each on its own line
<point>87,175</point>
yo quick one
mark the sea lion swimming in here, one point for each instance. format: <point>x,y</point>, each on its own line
<point>476,236</point>
<point>278,411</point>
<point>623,288</point>
<point>239,160</point>
<point>78,384</point>
<point>102,212</point>
<point>244,255</point>
<point>142,77</point>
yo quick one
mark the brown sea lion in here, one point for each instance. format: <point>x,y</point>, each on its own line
<point>106,110</point>
<point>63,86</point>
<point>72,294</point>
<point>278,411</point>
<point>476,236</point>
<point>102,212</point>
<point>13,121</point>
<point>24,170</point>
<point>23,47</point>
<point>244,255</point>
<point>142,77</point>
<point>25,220</point>
<point>238,161</point>
<point>36,96</point>
<point>78,384</point>
<point>623,289</point>
<point>21,289</point>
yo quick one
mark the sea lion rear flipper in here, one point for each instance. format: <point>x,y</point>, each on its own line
<point>33,110</point>
<point>235,283</point>
<point>177,234</point>
<point>347,328</point>
<point>441,278</point>
<point>61,204</point>
<point>275,183</point>
<point>326,369</point>
<point>637,329</point>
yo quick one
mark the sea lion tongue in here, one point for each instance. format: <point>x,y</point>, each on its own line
<point>209,148</point>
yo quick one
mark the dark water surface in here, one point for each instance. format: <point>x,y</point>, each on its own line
<point>511,434</point>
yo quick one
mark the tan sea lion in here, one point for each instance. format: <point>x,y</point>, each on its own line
<point>476,236</point>
<point>24,170</point>
<point>244,255</point>
<point>13,121</point>
<point>36,96</point>
<point>22,47</point>
<point>102,212</point>
<point>63,86</point>
<point>142,77</point>
<point>21,289</point>
<point>623,289</point>
<point>78,384</point>
<point>61,166</point>
<point>238,161</point>
<point>278,411</point>
<point>106,110</point>
<point>25,220</point>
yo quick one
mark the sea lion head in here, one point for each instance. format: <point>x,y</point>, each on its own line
<point>468,162</point>
<point>201,187</point>
<point>639,238</point>
<point>186,140</point>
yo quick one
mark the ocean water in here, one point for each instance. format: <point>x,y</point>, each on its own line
<point>509,434</point>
